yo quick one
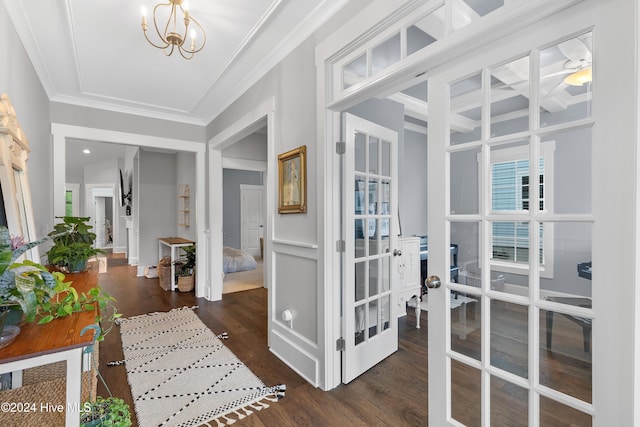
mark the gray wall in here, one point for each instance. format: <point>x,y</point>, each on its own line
<point>110,120</point>
<point>413,193</point>
<point>231,198</point>
<point>292,83</point>
<point>158,202</point>
<point>186,174</point>
<point>19,80</point>
<point>253,147</point>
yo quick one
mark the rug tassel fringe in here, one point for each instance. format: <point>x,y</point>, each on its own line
<point>258,406</point>
<point>226,420</point>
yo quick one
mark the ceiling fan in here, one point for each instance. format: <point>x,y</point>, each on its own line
<point>576,68</point>
<point>578,64</point>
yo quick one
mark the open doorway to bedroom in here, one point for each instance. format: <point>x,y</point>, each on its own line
<point>243,212</point>
<point>241,190</point>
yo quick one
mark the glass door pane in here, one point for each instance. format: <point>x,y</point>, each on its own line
<point>518,296</point>
<point>371,184</point>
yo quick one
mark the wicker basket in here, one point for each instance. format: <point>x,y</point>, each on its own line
<point>187,283</point>
<point>164,273</point>
<point>45,384</point>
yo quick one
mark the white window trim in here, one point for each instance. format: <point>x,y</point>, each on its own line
<point>547,150</point>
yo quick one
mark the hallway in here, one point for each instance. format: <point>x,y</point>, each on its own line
<point>393,393</point>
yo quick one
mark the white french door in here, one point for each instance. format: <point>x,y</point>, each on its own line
<point>513,183</point>
<point>370,228</point>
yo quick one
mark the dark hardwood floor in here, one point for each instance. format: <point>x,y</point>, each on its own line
<point>393,393</point>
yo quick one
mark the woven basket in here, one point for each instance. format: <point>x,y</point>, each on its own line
<point>186,283</point>
<point>45,385</point>
<point>164,273</point>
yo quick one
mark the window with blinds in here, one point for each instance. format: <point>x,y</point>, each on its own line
<point>510,193</point>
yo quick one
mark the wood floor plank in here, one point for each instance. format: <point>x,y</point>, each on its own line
<point>392,393</point>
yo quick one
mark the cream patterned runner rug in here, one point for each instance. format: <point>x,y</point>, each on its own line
<point>181,374</point>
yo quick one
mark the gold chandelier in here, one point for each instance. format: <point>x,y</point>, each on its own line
<point>174,35</point>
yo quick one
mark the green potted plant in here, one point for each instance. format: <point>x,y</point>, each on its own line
<point>187,271</point>
<point>38,294</point>
<point>34,285</point>
<point>72,244</point>
<point>106,411</point>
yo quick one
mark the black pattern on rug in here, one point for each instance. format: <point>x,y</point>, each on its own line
<point>181,374</point>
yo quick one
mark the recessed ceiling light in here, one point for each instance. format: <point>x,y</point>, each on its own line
<point>86,151</point>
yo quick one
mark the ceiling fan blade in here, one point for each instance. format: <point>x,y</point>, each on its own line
<point>575,50</point>
<point>502,85</point>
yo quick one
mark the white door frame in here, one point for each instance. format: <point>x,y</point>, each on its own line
<point>243,127</point>
<point>351,35</point>
<point>60,133</point>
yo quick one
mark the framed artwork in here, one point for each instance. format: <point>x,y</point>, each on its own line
<point>292,181</point>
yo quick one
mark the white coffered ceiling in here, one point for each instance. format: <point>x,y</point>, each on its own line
<point>93,52</point>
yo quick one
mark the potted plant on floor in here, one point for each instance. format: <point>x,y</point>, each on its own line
<point>106,411</point>
<point>187,273</point>
<point>72,244</point>
<point>102,411</point>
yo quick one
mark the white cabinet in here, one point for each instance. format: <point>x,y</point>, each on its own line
<point>409,272</point>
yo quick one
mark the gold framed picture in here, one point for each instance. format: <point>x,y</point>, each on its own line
<point>292,181</point>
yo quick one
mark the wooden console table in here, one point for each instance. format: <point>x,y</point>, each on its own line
<point>173,243</point>
<point>58,340</point>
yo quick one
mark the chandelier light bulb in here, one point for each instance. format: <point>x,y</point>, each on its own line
<point>143,13</point>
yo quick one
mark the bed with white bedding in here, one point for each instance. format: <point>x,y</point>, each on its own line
<point>235,260</point>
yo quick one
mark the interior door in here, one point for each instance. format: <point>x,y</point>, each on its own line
<point>252,202</point>
<point>370,229</point>
<point>100,223</point>
<point>510,159</point>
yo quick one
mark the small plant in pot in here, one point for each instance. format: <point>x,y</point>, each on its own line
<point>106,411</point>
<point>187,269</point>
<point>72,244</point>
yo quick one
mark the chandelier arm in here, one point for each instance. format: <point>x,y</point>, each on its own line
<point>182,51</point>
<point>153,44</point>
<point>163,36</point>
<point>171,51</point>
<point>204,37</point>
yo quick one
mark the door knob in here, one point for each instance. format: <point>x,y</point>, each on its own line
<point>433,282</point>
<point>397,252</point>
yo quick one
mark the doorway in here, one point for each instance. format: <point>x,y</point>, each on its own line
<point>101,210</point>
<point>62,134</point>
<point>226,154</point>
